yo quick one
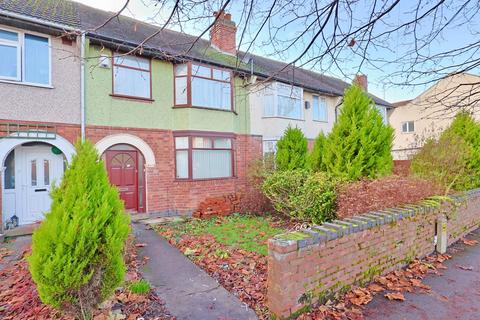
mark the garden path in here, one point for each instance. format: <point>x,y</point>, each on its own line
<point>189,292</point>
<point>15,247</point>
<point>455,294</point>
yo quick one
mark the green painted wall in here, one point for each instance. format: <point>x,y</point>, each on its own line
<point>102,109</point>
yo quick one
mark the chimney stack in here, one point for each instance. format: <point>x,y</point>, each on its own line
<point>362,81</point>
<point>223,33</point>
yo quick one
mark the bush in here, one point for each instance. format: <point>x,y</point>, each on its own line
<point>292,150</point>
<point>359,144</point>
<point>453,160</point>
<point>77,252</point>
<point>465,127</point>
<point>139,287</point>
<point>315,158</point>
<point>302,195</point>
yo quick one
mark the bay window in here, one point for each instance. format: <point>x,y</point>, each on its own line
<point>131,77</point>
<point>203,157</point>
<point>25,57</point>
<point>284,101</point>
<point>320,109</point>
<point>203,86</point>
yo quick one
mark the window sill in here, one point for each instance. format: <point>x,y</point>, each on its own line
<point>203,180</point>
<point>203,108</point>
<point>140,99</point>
<point>321,121</point>
<point>410,132</point>
<point>279,117</point>
<point>28,84</point>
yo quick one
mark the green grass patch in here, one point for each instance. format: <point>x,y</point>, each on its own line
<point>139,287</point>
<point>247,232</point>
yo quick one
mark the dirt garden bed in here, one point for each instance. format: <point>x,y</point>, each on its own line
<point>370,195</point>
<point>19,298</point>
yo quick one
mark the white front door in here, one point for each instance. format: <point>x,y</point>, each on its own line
<point>39,169</point>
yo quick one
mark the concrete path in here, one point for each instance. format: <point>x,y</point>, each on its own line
<point>17,246</point>
<point>189,292</point>
<point>455,294</point>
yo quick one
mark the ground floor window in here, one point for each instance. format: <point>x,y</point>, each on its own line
<point>269,147</point>
<point>203,157</point>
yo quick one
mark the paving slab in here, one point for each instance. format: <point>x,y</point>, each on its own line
<point>455,293</point>
<point>188,291</point>
<point>17,246</point>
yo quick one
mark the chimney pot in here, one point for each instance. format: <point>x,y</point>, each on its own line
<point>223,33</point>
<point>362,81</point>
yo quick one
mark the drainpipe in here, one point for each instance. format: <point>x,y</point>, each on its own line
<point>82,86</point>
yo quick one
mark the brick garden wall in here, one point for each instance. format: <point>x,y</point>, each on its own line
<point>313,264</point>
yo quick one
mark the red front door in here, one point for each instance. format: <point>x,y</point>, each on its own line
<point>122,170</point>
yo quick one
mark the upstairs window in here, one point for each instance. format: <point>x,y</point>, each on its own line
<point>383,113</point>
<point>284,101</point>
<point>198,157</point>
<point>203,86</point>
<point>408,127</point>
<point>320,109</point>
<point>131,77</point>
<point>25,57</point>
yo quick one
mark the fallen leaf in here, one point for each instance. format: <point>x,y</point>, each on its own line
<point>395,296</point>
<point>469,242</point>
<point>467,268</point>
<point>140,245</point>
<point>375,288</point>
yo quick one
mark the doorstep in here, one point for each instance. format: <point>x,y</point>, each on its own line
<point>21,230</point>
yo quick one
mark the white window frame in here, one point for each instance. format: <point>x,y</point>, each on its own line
<point>272,90</point>
<point>320,99</point>
<point>409,128</point>
<point>138,69</point>
<point>190,148</point>
<point>20,45</point>
<point>383,112</point>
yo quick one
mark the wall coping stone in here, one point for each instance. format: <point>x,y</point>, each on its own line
<point>335,229</point>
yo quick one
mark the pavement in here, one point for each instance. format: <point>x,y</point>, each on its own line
<point>455,293</point>
<point>188,291</point>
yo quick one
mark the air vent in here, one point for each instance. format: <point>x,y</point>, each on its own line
<point>104,61</point>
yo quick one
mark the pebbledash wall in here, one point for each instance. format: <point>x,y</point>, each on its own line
<point>310,265</point>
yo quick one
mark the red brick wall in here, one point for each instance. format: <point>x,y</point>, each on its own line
<point>164,192</point>
<point>324,261</point>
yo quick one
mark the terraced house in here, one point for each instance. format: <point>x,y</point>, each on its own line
<point>177,122</point>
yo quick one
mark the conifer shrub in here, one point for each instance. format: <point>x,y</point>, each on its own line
<point>302,195</point>
<point>292,150</point>
<point>77,251</point>
<point>315,158</point>
<point>359,144</point>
